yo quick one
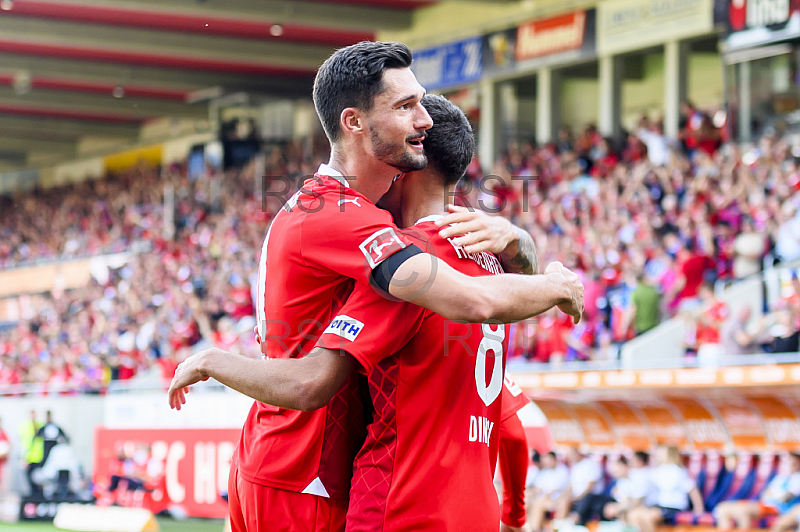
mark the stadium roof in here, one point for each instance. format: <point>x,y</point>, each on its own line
<point>76,68</point>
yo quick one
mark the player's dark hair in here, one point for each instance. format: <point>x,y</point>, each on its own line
<point>352,77</point>
<point>622,460</point>
<point>643,457</point>
<point>449,145</point>
<point>553,454</point>
<point>536,458</point>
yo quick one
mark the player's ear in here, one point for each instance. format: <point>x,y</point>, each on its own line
<point>352,120</point>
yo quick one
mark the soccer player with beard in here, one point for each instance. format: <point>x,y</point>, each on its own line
<point>292,468</point>
<point>430,453</point>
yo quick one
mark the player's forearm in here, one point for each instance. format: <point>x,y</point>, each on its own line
<point>429,282</point>
<point>520,255</point>
<point>273,382</point>
<point>519,297</point>
<point>297,384</point>
<point>513,461</point>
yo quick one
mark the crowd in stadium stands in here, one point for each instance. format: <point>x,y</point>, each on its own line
<point>727,491</point>
<point>649,227</point>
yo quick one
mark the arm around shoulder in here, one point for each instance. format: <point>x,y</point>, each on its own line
<point>429,282</point>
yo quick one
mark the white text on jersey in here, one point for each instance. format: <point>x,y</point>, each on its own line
<point>485,260</point>
<point>480,429</point>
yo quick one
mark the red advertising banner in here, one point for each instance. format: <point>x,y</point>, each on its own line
<point>160,468</point>
<point>551,36</point>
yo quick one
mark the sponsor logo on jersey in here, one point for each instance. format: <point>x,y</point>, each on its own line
<point>348,200</point>
<point>346,327</point>
<point>380,245</point>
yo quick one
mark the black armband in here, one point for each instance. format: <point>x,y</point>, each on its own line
<point>382,273</point>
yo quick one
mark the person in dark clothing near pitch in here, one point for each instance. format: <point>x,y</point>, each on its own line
<point>51,434</point>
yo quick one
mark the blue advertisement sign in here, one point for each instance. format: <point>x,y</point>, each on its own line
<point>450,64</point>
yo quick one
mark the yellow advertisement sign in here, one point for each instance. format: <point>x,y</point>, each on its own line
<point>118,162</point>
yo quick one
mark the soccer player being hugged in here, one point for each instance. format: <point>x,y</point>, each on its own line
<point>294,462</point>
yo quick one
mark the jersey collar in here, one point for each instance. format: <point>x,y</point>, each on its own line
<point>330,171</point>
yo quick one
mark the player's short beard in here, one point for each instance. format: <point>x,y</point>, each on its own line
<point>388,153</point>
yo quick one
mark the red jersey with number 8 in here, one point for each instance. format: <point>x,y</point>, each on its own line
<point>430,453</point>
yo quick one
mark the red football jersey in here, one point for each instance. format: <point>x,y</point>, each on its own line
<point>513,398</point>
<point>430,453</point>
<point>325,237</point>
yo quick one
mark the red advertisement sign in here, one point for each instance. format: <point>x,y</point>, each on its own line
<point>160,468</point>
<point>550,36</point>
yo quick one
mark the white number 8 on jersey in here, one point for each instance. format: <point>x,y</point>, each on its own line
<point>492,341</point>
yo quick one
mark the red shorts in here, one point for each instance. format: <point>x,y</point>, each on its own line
<point>257,508</point>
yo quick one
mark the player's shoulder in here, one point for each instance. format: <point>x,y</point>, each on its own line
<point>327,204</point>
<point>425,233</point>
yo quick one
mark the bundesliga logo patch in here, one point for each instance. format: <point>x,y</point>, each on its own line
<point>346,327</point>
<point>380,245</point>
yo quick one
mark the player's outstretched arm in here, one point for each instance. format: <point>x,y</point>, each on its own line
<point>304,383</point>
<point>478,231</point>
<point>429,282</point>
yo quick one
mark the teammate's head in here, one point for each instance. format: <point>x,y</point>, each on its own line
<point>367,91</point>
<point>450,144</point>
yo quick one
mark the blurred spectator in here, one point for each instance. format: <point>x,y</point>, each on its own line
<point>750,247</point>
<point>586,487</point>
<point>644,311</point>
<point>690,121</point>
<point>32,450</point>
<point>776,499</point>
<point>550,484</point>
<point>693,267</point>
<point>585,482</point>
<point>674,488</point>
<point>51,435</point>
<point>652,135</point>
<point>734,334</point>
<point>641,476</point>
<point>784,333</point>
<point>787,245</point>
<point>625,495</point>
